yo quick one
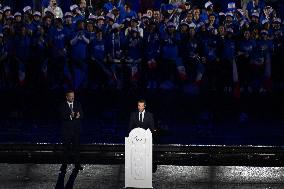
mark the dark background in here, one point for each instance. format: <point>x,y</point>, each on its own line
<point>32,116</point>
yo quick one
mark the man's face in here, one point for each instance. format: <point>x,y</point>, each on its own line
<point>18,19</point>
<point>150,13</point>
<point>229,19</point>
<point>99,35</point>
<point>141,106</point>
<point>221,30</point>
<point>101,22</point>
<point>90,27</point>
<point>126,8</point>
<point>254,19</point>
<point>133,23</point>
<point>36,18</point>
<point>196,12</point>
<point>68,20</point>
<point>70,97</point>
<point>53,2</point>
<point>83,4</point>
<point>191,32</point>
<point>156,15</point>
<point>58,24</point>
<point>247,35</point>
<point>212,19</point>
<point>48,21</point>
<point>81,26</point>
<point>189,16</point>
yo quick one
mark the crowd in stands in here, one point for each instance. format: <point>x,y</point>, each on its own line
<point>173,47</point>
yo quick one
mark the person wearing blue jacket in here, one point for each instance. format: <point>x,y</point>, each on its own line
<point>151,49</point>
<point>134,54</point>
<point>261,73</point>
<point>57,37</point>
<point>255,6</point>
<point>100,74</point>
<point>245,49</point>
<point>228,64</point>
<point>194,60</point>
<point>116,53</point>
<point>170,41</point>
<point>79,44</point>
<point>22,46</point>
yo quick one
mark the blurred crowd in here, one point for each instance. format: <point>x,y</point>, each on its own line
<point>180,45</point>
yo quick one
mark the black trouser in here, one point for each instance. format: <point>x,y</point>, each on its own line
<point>71,145</point>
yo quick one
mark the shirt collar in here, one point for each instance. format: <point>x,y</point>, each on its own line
<point>70,103</point>
<point>142,112</point>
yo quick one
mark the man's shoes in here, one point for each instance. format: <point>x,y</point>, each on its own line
<point>78,167</point>
<point>63,167</point>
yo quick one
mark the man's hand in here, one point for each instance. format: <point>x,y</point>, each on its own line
<point>77,115</point>
<point>73,114</point>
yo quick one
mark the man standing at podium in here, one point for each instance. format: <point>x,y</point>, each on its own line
<point>71,114</point>
<point>141,118</point>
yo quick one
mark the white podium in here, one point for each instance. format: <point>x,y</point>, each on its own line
<point>138,159</point>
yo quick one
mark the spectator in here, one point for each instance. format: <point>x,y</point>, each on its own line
<point>55,9</point>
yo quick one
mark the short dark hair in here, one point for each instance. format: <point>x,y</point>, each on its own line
<point>142,101</point>
<point>69,91</point>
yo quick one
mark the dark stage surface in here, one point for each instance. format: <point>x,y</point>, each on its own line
<point>35,176</point>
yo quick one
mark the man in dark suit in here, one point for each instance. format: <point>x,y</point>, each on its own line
<point>71,114</point>
<point>143,119</point>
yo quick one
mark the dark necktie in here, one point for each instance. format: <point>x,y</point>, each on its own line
<point>71,107</point>
<point>140,116</point>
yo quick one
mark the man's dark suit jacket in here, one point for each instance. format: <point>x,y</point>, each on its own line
<point>70,126</point>
<point>148,121</point>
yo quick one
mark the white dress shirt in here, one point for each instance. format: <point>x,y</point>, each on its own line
<point>142,115</point>
<point>70,104</point>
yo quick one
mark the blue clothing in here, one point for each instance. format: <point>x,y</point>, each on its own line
<point>134,47</point>
<point>228,51</point>
<point>99,50</point>
<point>69,29</point>
<point>76,19</point>
<point>22,47</point>
<point>247,47</point>
<point>109,6</point>
<point>169,46</point>
<point>262,51</point>
<point>79,49</point>
<point>258,8</point>
<point>130,14</point>
<point>58,38</point>
<point>151,44</point>
<point>192,48</point>
<point>115,45</point>
<point>212,48</point>
<point>35,25</point>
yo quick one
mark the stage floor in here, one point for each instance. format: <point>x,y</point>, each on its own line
<point>45,176</point>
